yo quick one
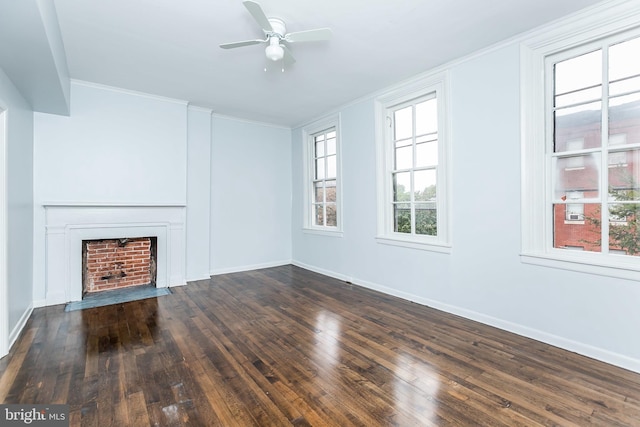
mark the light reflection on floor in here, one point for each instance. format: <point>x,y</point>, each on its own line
<point>328,331</point>
<point>416,374</point>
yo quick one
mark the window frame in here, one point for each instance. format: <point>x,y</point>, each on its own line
<point>582,31</point>
<point>309,133</point>
<point>436,84</point>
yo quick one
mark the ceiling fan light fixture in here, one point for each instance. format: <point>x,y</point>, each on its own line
<point>274,51</point>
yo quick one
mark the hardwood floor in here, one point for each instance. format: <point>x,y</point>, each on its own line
<point>285,346</point>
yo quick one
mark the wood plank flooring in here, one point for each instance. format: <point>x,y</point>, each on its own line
<point>284,346</point>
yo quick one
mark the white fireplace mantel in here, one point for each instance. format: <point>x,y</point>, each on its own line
<point>68,224</point>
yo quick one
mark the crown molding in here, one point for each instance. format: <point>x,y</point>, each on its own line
<point>128,92</point>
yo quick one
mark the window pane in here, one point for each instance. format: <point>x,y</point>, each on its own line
<point>579,97</point>
<point>624,86</point>
<point>331,145</point>
<point>319,215</point>
<point>578,73</point>
<point>320,168</point>
<point>331,166</point>
<point>623,228</point>
<point>617,159</point>
<point>426,219</point>
<point>318,190</point>
<point>577,173</point>
<point>624,117</point>
<point>404,157</point>
<point>332,218</point>
<point>403,120</point>
<point>424,185</point>
<point>427,117</point>
<point>623,59</point>
<point>404,142</point>
<point>331,191</point>
<point>319,146</point>
<point>582,122</point>
<point>402,218</point>
<point>581,234</point>
<point>401,187</point>
<point>427,154</point>
<point>624,176</point>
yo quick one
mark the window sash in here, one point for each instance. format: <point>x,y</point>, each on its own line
<point>323,212</point>
<point>408,138</point>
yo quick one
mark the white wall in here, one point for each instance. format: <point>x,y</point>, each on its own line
<point>250,195</point>
<point>123,148</point>
<point>198,193</point>
<point>19,204</point>
<point>116,147</point>
<point>483,277</point>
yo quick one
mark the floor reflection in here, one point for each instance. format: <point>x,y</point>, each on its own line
<point>328,329</point>
<point>415,374</point>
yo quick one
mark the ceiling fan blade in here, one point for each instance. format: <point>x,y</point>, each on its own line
<point>318,34</point>
<point>256,11</point>
<point>288,58</point>
<point>240,44</point>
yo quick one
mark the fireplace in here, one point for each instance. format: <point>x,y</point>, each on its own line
<point>109,264</point>
<point>68,225</point>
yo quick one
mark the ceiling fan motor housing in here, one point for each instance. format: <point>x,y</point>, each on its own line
<point>278,27</point>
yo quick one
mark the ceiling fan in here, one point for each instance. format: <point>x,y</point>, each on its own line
<point>275,33</point>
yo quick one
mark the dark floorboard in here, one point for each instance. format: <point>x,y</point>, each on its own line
<point>286,346</point>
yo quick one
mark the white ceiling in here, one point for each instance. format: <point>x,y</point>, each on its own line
<point>170,47</point>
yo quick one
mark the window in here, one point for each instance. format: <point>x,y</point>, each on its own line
<point>325,164</point>
<point>581,144</point>
<point>322,195</point>
<point>412,166</point>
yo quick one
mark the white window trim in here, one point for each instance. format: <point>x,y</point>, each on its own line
<point>4,239</point>
<point>598,22</point>
<point>332,121</point>
<point>438,83</point>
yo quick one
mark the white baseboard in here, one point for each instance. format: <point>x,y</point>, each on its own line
<point>198,277</point>
<point>39,303</point>
<point>322,271</point>
<point>15,333</point>
<point>241,268</point>
<point>525,331</point>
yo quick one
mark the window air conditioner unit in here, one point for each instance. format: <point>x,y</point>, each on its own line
<point>574,217</point>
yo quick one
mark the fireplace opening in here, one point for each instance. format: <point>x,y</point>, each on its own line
<point>109,264</point>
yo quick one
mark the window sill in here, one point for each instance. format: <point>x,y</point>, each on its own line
<point>620,267</point>
<point>413,244</point>
<point>322,232</point>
